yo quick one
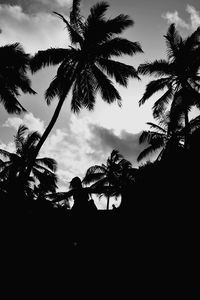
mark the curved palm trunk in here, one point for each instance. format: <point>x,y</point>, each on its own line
<point>108,203</point>
<point>108,199</point>
<point>186,145</point>
<point>47,131</point>
<point>42,140</point>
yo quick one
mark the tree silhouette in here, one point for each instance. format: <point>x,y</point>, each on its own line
<point>14,63</point>
<point>178,74</point>
<point>111,175</point>
<point>162,137</point>
<point>43,171</point>
<point>94,41</point>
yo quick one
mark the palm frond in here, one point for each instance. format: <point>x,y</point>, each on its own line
<point>84,91</point>
<point>53,90</point>
<point>50,163</point>
<point>49,57</point>
<point>101,185</point>
<point>24,83</point>
<point>194,124</point>
<point>118,24</point>
<point>150,137</point>
<point>10,102</point>
<point>125,165</point>
<point>31,141</point>
<point>153,87</point>
<point>158,68</point>
<point>146,152</point>
<point>19,137</point>
<point>157,127</point>
<point>118,47</point>
<point>48,178</point>
<point>75,16</point>
<point>97,12</point>
<point>195,84</point>
<point>115,156</point>
<point>105,86</point>
<point>120,71</point>
<point>106,28</point>
<point>173,42</point>
<point>92,177</point>
<point>7,154</point>
<point>74,34</point>
<point>194,96</point>
<point>14,57</point>
<point>160,105</point>
<point>90,174</point>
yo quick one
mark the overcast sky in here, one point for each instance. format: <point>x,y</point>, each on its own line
<point>77,142</point>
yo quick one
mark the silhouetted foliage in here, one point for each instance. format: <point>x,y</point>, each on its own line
<point>162,139</point>
<point>115,175</point>
<point>14,64</point>
<point>157,198</point>
<point>178,74</point>
<point>86,66</point>
<point>43,176</point>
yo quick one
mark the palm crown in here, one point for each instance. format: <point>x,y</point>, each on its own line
<point>83,65</point>
<point>161,138</point>
<point>14,63</point>
<point>16,163</point>
<point>179,74</point>
<point>114,174</point>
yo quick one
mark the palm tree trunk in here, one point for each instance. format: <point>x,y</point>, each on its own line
<point>108,202</point>
<point>49,128</point>
<point>186,145</point>
<point>43,139</point>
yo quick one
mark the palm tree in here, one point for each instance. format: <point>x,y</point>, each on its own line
<point>14,63</point>
<point>162,138</point>
<point>43,171</point>
<point>110,175</point>
<point>125,181</point>
<point>179,74</point>
<point>82,66</point>
<point>194,134</point>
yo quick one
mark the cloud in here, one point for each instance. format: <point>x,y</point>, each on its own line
<point>64,2</point>
<point>35,6</point>
<point>75,148</point>
<point>35,32</point>
<point>194,15</point>
<point>81,145</point>
<point>10,147</point>
<point>33,123</point>
<point>105,140</point>
<point>173,17</point>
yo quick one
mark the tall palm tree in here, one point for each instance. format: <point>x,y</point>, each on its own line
<point>86,65</point>
<point>108,175</point>
<point>179,75</point>
<point>14,63</point>
<point>43,171</point>
<point>161,138</point>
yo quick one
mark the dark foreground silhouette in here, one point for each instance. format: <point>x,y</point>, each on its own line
<point>152,239</point>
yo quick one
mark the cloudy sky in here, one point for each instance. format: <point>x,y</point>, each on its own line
<point>79,141</point>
